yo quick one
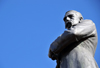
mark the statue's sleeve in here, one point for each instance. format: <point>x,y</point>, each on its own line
<point>82,30</point>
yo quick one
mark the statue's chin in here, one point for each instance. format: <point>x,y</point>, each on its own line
<point>68,25</point>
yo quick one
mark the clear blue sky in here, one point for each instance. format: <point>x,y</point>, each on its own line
<point>28,27</point>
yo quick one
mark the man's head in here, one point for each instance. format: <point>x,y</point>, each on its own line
<point>72,18</point>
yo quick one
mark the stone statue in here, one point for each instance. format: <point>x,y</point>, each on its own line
<point>75,48</point>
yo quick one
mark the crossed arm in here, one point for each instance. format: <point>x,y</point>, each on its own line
<point>82,30</point>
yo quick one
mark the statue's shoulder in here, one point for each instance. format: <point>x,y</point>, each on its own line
<point>87,21</point>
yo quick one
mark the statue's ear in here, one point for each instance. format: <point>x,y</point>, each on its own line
<point>81,18</point>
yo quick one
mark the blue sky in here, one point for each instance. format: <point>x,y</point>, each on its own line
<point>28,27</point>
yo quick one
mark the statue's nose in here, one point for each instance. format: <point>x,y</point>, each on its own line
<point>68,19</point>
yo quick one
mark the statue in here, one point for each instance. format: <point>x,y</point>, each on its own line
<point>75,48</point>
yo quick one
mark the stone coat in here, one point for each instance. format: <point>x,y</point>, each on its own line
<point>76,46</point>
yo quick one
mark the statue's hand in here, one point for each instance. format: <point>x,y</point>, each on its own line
<point>52,55</point>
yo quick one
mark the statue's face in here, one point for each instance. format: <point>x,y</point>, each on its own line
<point>71,19</point>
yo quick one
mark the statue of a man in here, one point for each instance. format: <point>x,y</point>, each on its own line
<point>75,48</point>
